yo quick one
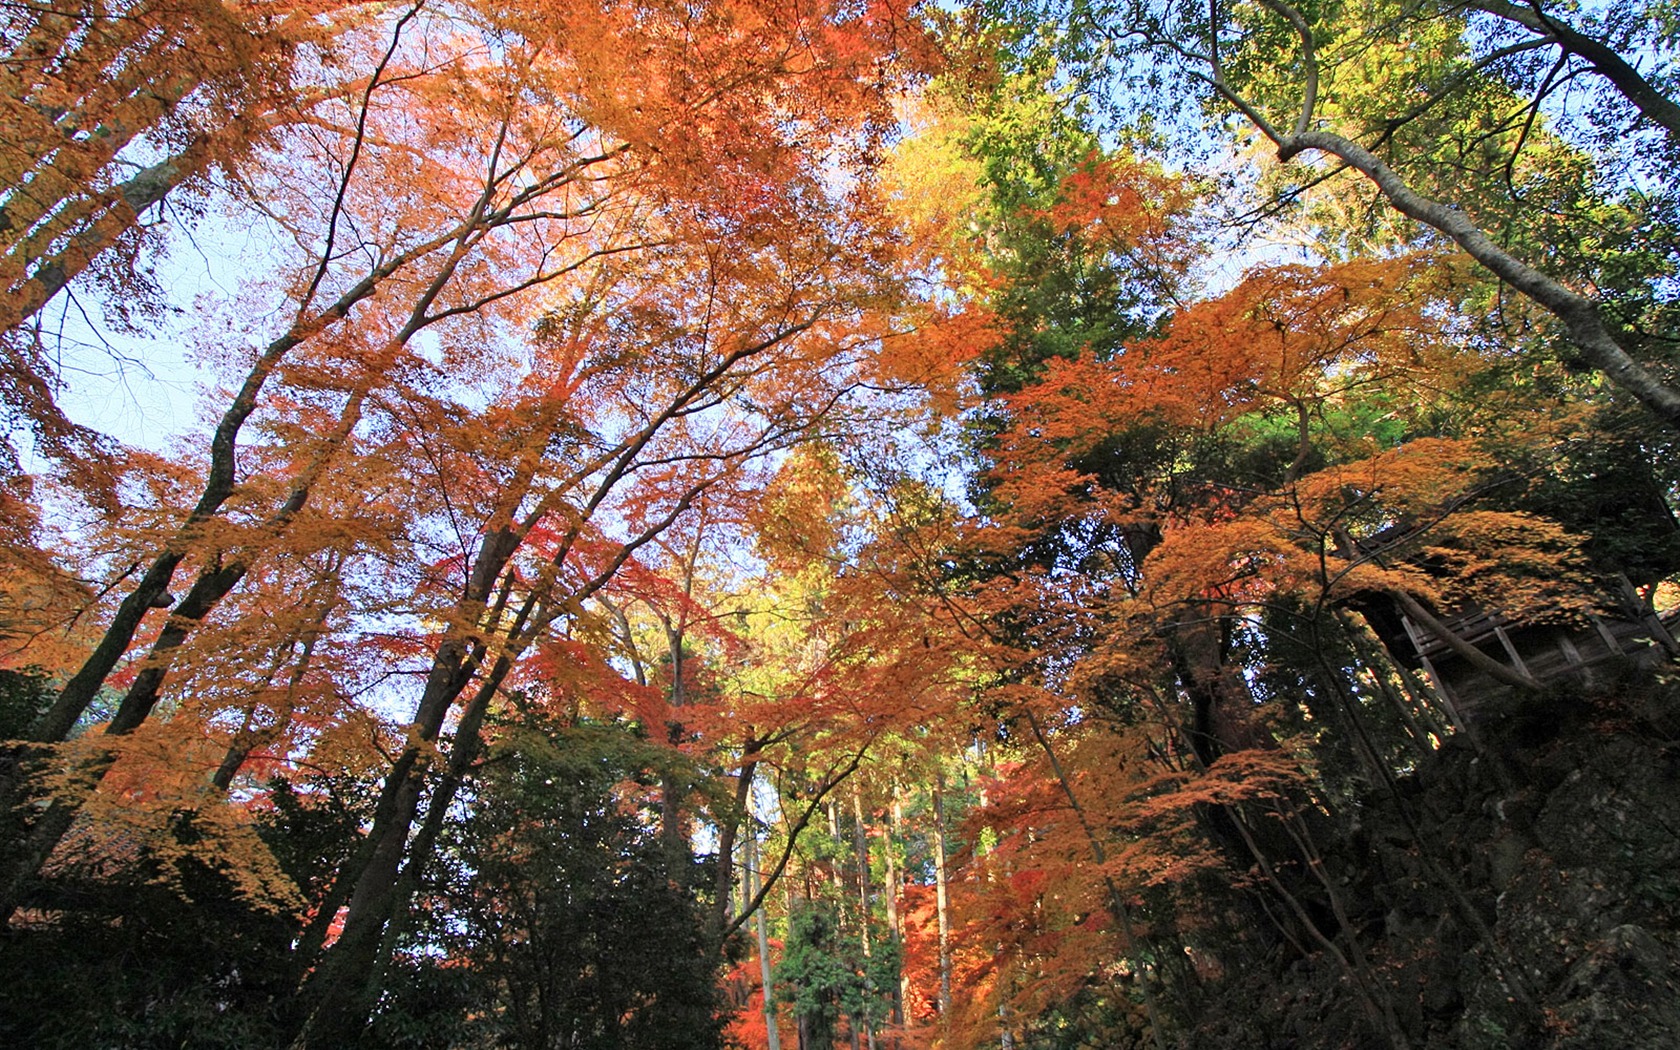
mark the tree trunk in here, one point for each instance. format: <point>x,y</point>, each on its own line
<point>890,893</point>
<point>941,897</point>
<point>1592,336</point>
<point>860,843</point>
<point>772,1037</point>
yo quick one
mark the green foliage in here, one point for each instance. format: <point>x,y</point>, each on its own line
<point>1094,1018</point>
<point>556,918</point>
<point>118,958</point>
<point>23,696</point>
<point>313,825</point>
<point>1612,485</point>
<point>824,973</point>
<point>1056,288</point>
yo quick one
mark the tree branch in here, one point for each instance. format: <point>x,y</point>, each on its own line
<point>1645,96</point>
<point>1580,315</point>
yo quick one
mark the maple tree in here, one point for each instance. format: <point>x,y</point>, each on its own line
<point>1183,568</point>
<point>1446,109</point>
<point>791,524</point>
<point>648,388</point>
<point>1177,525</point>
<point>111,110</point>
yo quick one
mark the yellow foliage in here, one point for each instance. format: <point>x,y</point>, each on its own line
<point>154,801</point>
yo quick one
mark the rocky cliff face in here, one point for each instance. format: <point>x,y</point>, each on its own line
<point>1521,890</point>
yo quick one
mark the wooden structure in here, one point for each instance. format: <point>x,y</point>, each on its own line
<point>1545,652</point>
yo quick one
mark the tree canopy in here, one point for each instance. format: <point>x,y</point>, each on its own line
<point>746,524</point>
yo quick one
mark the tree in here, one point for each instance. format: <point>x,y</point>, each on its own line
<point>676,284</point>
<point>556,897</point>
<point>1105,490</point>
<point>825,974</point>
<point>1473,83</point>
<point>680,466</point>
<point>109,111</point>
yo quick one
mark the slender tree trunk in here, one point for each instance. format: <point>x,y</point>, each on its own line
<point>728,830</point>
<point>890,892</point>
<point>860,842</point>
<point>744,884</point>
<point>772,1037</point>
<point>941,897</point>
<point>333,992</point>
<point>672,825</point>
